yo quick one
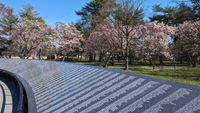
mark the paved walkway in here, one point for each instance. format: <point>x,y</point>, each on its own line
<point>6,102</point>
<point>73,88</point>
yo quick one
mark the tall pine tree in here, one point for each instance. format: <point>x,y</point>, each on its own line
<point>173,15</point>
<point>29,13</point>
<point>93,13</point>
<point>7,21</point>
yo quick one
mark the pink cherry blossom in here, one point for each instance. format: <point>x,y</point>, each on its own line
<point>188,42</point>
<point>28,38</point>
<point>152,41</point>
<point>69,38</point>
<point>103,41</point>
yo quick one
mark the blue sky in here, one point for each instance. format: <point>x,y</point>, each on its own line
<point>53,11</point>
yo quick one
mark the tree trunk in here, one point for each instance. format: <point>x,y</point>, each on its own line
<point>78,56</point>
<point>113,61</point>
<point>194,61</point>
<point>106,60</point>
<point>90,58</point>
<point>126,58</point>
<point>174,63</point>
<point>153,63</point>
<point>94,57</point>
<point>105,64</point>
<point>150,63</point>
<point>189,61</point>
<point>67,58</point>
<point>126,63</point>
<point>127,50</point>
<point>161,62</point>
<point>100,58</point>
<point>81,58</point>
<point>55,56</point>
<point>145,62</point>
<point>130,60</point>
<point>27,57</point>
<point>181,60</point>
<point>39,54</point>
<point>199,60</point>
<point>22,57</point>
<point>118,58</point>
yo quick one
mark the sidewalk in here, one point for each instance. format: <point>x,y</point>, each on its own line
<point>6,102</point>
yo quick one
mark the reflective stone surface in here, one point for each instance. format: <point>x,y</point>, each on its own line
<point>60,87</point>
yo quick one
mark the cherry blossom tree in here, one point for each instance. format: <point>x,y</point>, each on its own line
<point>69,39</point>
<point>152,41</point>
<point>103,41</point>
<point>188,41</point>
<point>127,38</point>
<point>28,37</point>
<point>48,46</point>
<point>128,15</point>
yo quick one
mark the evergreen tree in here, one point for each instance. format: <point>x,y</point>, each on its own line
<point>94,13</point>
<point>196,8</point>
<point>29,13</point>
<point>7,21</point>
<point>173,15</point>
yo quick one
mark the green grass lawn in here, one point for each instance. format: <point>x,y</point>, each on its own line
<point>183,74</point>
